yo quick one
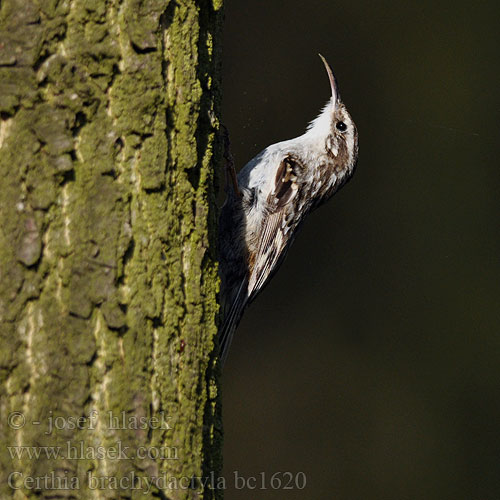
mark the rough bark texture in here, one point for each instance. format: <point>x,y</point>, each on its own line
<point>108,278</point>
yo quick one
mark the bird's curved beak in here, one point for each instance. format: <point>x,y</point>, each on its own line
<point>333,81</point>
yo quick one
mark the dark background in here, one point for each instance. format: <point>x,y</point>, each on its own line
<point>372,361</point>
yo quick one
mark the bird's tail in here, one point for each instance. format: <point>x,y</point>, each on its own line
<point>231,320</point>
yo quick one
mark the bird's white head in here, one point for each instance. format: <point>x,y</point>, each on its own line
<point>332,142</point>
<point>335,127</point>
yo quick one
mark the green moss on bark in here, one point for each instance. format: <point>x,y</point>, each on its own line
<point>109,280</point>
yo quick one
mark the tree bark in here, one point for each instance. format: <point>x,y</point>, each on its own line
<point>108,278</point>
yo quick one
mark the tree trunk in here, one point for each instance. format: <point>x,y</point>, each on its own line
<point>108,280</point>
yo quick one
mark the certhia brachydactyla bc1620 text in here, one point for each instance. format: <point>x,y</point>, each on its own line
<point>270,198</point>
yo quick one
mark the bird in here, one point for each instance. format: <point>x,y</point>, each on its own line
<point>269,199</point>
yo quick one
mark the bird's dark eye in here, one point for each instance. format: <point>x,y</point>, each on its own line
<point>341,126</point>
